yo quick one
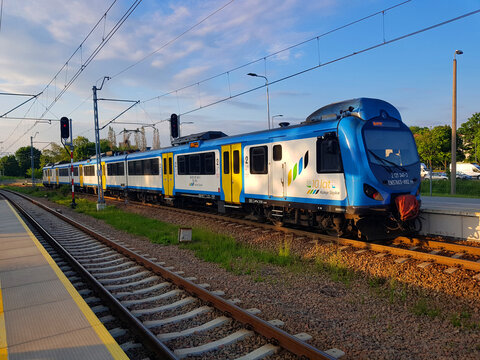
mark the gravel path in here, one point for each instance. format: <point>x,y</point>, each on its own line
<point>388,311</point>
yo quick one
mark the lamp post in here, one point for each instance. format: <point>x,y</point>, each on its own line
<point>273,117</point>
<point>453,173</point>
<point>31,158</point>
<point>268,99</point>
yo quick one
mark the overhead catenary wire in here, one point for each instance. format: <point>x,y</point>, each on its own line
<point>263,58</point>
<point>174,39</point>
<point>90,58</point>
<point>382,43</point>
<point>95,52</point>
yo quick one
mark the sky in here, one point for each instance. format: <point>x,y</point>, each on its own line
<point>192,58</point>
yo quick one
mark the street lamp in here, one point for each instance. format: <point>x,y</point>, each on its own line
<point>268,99</point>
<point>31,158</point>
<point>274,116</point>
<point>453,173</point>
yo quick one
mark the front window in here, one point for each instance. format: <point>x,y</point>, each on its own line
<point>389,147</point>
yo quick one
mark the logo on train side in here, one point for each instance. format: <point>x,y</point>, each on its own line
<point>318,185</point>
<point>298,168</point>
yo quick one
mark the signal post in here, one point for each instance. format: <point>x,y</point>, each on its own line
<point>65,133</point>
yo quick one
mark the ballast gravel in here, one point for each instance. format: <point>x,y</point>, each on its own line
<point>386,311</point>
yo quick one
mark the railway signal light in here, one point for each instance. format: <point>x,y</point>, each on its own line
<point>64,128</point>
<point>174,119</point>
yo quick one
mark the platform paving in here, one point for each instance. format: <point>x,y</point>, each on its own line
<point>42,316</point>
<point>451,216</point>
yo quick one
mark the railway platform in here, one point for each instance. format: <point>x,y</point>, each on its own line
<point>451,216</point>
<point>42,316</point>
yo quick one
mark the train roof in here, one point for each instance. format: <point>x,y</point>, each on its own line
<point>364,108</point>
<point>326,118</point>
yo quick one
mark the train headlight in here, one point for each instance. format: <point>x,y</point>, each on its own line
<point>372,193</point>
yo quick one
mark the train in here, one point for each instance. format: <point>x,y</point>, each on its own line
<point>350,168</point>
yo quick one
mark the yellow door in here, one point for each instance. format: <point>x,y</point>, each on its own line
<point>80,174</point>
<point>167,161</point>
<point>232,172</point>
<point>104,177</point>
<point>48,175</point>
<point>56,175</point>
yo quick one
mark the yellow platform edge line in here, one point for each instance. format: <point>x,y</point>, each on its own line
<point>3,330</point>
<point>110,343</point>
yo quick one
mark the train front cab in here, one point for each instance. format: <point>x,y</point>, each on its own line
<point>381,164</point>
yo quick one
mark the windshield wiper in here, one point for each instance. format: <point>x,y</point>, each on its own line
<point>386,161</point>
<point>379,158</point>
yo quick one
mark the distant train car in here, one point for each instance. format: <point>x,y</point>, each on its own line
<point>350,168</point>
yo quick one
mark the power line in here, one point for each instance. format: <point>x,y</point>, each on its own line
<point>96,51</point>
<point>173,40</point>
<point>280,51</point>
<point>328,63</point>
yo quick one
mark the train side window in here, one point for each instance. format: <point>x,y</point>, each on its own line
<point>181,165</point>
<point>258,160</point>
<point>131,168</point>
<point>226,162</point>
<point>170,166</point>
<point>120,169</point>
<point>138,167</point>
<point>328,155</point>
<point>147,169</point>
<point>277,152</point>
<point>154,166</point>
<point>209,161</point>
<point>194,164</point>
<point>236,162</point>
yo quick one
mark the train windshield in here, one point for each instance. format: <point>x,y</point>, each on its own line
<point>390,147</point>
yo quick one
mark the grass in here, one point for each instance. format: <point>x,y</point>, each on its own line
<point>241,259</point>
<point>465,188</point>
<point>423,308</point>
<point>333,265</point>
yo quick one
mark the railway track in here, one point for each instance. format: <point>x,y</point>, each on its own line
<point>170,315</point>
<point>428,251</point>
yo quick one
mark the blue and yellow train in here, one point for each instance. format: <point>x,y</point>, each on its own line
<point>350,167</point>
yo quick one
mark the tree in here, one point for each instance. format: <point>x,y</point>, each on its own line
<point>9,166</point>
<point>470,134</point>
<point>426,146</point>
<point>85,149</point>
<point>55,154</point>
<point>434,146</point>
<point>24,159</point>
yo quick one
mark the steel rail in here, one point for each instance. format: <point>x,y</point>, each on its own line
<point>275,335</point>
<point>441,245</point>
<point>146,335</point>
<point>439,259</point>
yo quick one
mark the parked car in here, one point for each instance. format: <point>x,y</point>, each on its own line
<point>471,169</point>
<point>463,176</point>
<point>438,176</point>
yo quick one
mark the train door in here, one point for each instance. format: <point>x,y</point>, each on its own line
<point>49,171</point>
<point>56,175</point>
<point>277,172</point>
<point>232,172</point>
<point>167,160</point>
<point>104,177</point>
<point>80,174</point>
